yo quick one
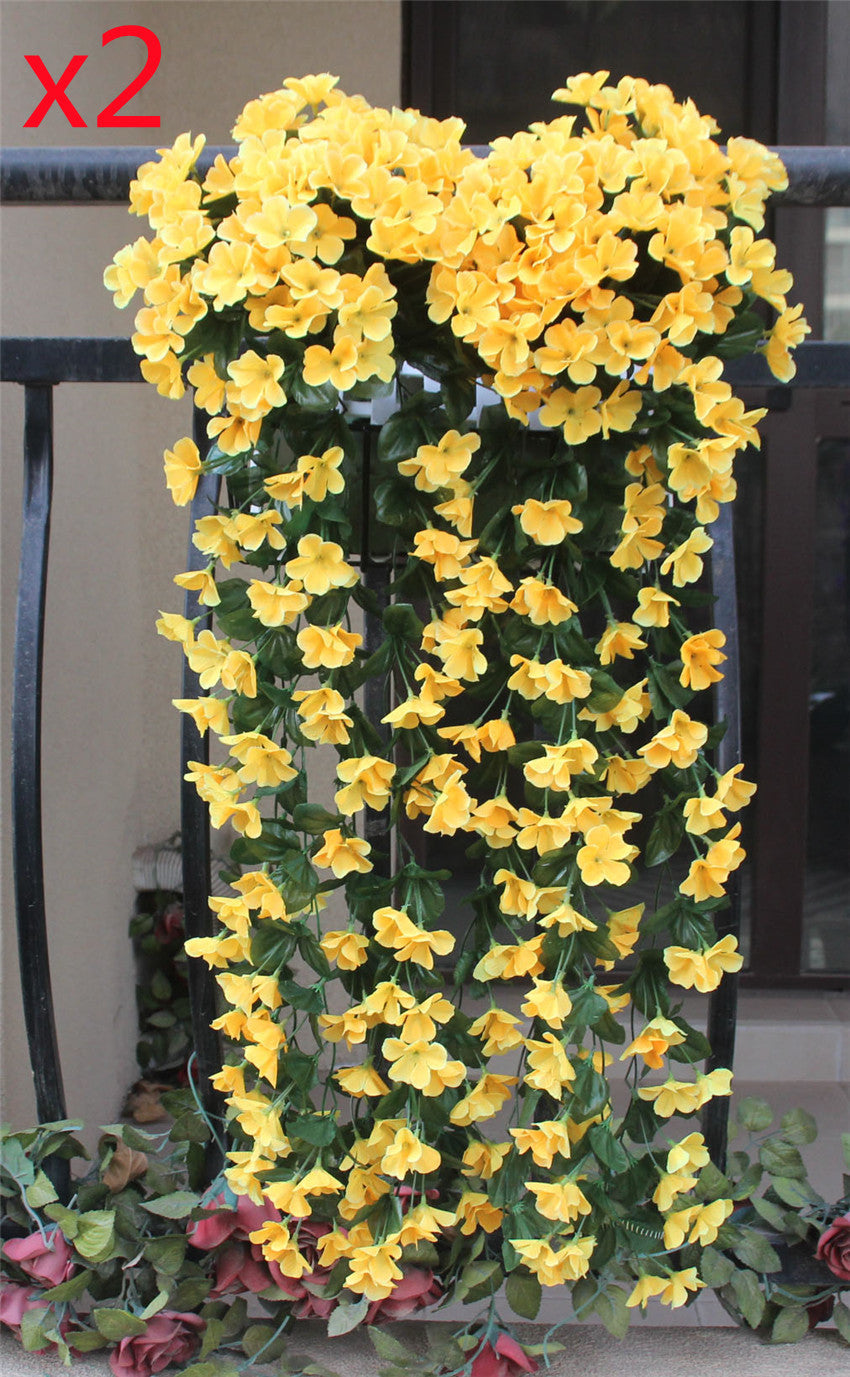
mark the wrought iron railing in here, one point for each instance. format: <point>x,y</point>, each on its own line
<point>817,177</point>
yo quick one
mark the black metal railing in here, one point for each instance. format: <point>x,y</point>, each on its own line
<point>817,177</point>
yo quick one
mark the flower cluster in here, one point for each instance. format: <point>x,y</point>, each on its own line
<point>545,328</point>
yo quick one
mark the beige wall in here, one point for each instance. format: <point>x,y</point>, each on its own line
<point>110,734</point>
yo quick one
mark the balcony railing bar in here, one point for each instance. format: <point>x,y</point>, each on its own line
<point>817,176</point>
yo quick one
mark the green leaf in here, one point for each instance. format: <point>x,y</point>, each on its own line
<point>87,1340</point>
<point>347,1317</point>
<point>523,1292</point>
<point>389,1348</point>
<point>320,1130</point>
<point>782,1159</point>
<point>792,1192</point>
<point>260,1338</point>
<point>613,1311</point>
<point>607,1149</point>
<point>41,1192</point>
<point>790,1325</point>
<point>174,1206</point>
<point>310,817</point>
<point>68,1220</point>
<point>401,622</point>
<point>770,1213</point>
<point>96,1235</point>
<point>754,1114</point>
<point>70,1289</point>
<point>715,1268</point>
<point>117,1324</point>
<point>749,1296</point>
<point>665,837</point>
<point>33,1336</point>
<point>845,1148</point>
<point>158,1303</point>
<point>753,1249</point>
<point>841,1315</point>
<point>479,1279</point>
<point>799,1126</point>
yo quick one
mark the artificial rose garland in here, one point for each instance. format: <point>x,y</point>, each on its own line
<point>569,300</point>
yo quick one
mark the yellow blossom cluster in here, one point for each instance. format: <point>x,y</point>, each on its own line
<point>542,498</point>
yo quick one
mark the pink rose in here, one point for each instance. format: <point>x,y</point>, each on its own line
<point>220,1224</point>
<point>15,1301</point>
<point>51,1263</point>
<point>170,1337</point>
<point>834,1248</point>
<point>240,1267</point>
<point>417,1289</point>
<point>169,926</point>
<point>505,1358</point>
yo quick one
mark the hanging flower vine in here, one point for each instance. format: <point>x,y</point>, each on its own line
<point>545,329</point>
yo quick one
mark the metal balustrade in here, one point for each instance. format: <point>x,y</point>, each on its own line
<point>817,177</point>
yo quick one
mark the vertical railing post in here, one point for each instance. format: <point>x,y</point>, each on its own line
<point>26,767</point>
<point>723,1004</point>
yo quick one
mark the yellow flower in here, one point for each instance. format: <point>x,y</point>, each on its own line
<point>362,1081</point>
<point>549,1001</point>
<point>789,330</point>
<point>669,1187</point>
<point>407,1154</point>
<point>263,762</point>
<point>499,1031</point>
<point>440,465</point>
<point>685,562</point>
<point>445,551</point>
<point>452,807</point>
<point>484,1159</point>
<point>276,604</point>
<point>475,1210</point>
<point>659,1034</point>
<point>424,1065</point>
<point>654,607</point>
<point>551,1069</point>
<point>700,654</point>
<point>395,930</point>
<point>337,365</point>
<point>183,468</point>
<point>347,949</point>
<point>367,780</point>
<point>690,1152</point>
<point>327,647</point>
<point>679,743</point>
<point>507,962</point>
<point>709,873</point>
<point>674,1289</point>
<point>206,713</point>
<point>484,1100</point>
<point>545,1141</point>
<point>320,566</point>
<point>320,473</point>
<point>561,1200</point>
<point>626,776</point>
<point>673,1097</point>
<point>703,970</point>
<point>548,523</point>
<point>605,858</point>
<point>543,604</point>
<point>373,1272</point>
<point>619,639</point>
<point>342,854</point>
<point>254,387</point>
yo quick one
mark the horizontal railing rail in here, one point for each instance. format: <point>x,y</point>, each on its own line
<point>817,176</point>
